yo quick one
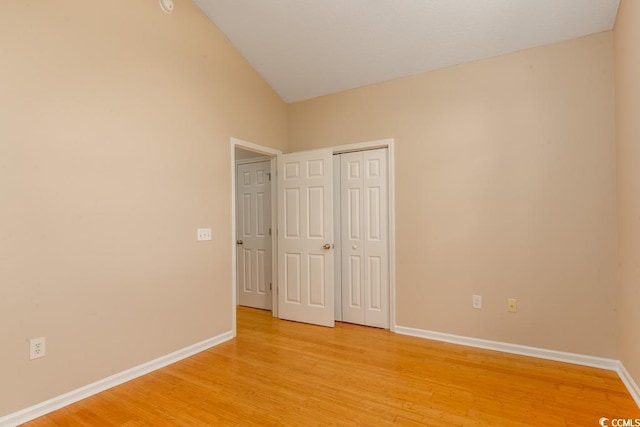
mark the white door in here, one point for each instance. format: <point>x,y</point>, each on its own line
<point>305,237</point>
<point>364,238</point>
<point>253,198</point>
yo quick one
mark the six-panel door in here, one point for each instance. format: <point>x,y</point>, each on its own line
<point>305,237</point>
<point>253,199</point>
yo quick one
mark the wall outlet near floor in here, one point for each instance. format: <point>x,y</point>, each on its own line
<point>204,234</point>
<point>512,305</point>
<point>37,348</point>
<point>476,302</point>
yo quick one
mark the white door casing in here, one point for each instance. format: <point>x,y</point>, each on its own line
<point>365,238</point>
<point>253,223</point>
<point>337,256</point>
<point>305,237</point>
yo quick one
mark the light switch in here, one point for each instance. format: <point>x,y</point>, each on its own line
<point>204,234</point>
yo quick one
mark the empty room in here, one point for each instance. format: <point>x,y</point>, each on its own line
<point>284,212</point>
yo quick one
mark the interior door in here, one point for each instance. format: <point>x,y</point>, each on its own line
<point>365,238</point>
<point>254,234</point>
<point>305,237</point>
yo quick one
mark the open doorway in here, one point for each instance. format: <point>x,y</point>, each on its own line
<point>253,230</point>
<point>253,216</point>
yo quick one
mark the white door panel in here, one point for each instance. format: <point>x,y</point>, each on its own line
<point>376,238</point>
<point>352,243</point>
<point>254,241</point>
<point>305,226</point>
<point>364,237</point>
<point>337,257</point>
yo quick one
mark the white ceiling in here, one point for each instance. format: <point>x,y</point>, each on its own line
<point>308,48</point>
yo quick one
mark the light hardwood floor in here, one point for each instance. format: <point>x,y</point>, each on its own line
<point>285,373</point>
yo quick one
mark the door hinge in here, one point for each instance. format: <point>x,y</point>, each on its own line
<point>269,231</point>
<point>270,286</point>
<point>269,175</point>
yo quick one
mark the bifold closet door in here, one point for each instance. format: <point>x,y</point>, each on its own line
<point>365,237</point>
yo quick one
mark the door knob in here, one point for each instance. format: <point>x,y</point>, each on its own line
<point>327,246</point>
<point>239,242</point>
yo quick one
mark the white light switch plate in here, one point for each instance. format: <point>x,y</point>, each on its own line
<point>204,234</point>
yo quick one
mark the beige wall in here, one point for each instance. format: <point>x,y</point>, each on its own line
<point>115,121</point>
<point>505,187</point>
<point>627,77</point>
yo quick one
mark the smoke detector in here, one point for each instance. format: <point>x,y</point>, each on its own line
<point>167,5</point>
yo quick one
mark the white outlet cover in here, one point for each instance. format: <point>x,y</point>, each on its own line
<point>37,348</point>
<point>476,301</point>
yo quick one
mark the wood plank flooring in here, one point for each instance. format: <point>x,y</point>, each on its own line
<point>285,373</point>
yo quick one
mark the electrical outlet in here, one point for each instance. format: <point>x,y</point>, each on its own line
<point>204,234</point>
<point>512,305</point>
<point>476,302</point>
<point>37,348</point>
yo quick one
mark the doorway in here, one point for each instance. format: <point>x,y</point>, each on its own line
<point>253,230</point>
<point>253,274</point>
<point>283,287</point>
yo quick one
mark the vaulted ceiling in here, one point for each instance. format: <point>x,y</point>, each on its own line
<point>309,48</point>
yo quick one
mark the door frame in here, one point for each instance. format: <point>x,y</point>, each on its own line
<point>388,143</point>
<point>272,155</point>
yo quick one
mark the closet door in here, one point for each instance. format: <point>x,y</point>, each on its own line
<point>365,238</point>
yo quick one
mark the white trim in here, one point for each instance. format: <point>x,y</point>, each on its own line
<point>246,145</point>
<point>73,396</point>
<point>271,154</point>
<point>392,235</point>
<point>360,146</point>
<point>253,160</point>
<point>628,381</point>
<point>542,353</point>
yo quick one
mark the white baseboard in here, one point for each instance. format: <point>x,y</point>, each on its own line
<point>628,381</point>
<point>73,396</point>
<point>559,356</point>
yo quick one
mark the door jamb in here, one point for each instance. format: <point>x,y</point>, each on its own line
<point>272,154</point>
